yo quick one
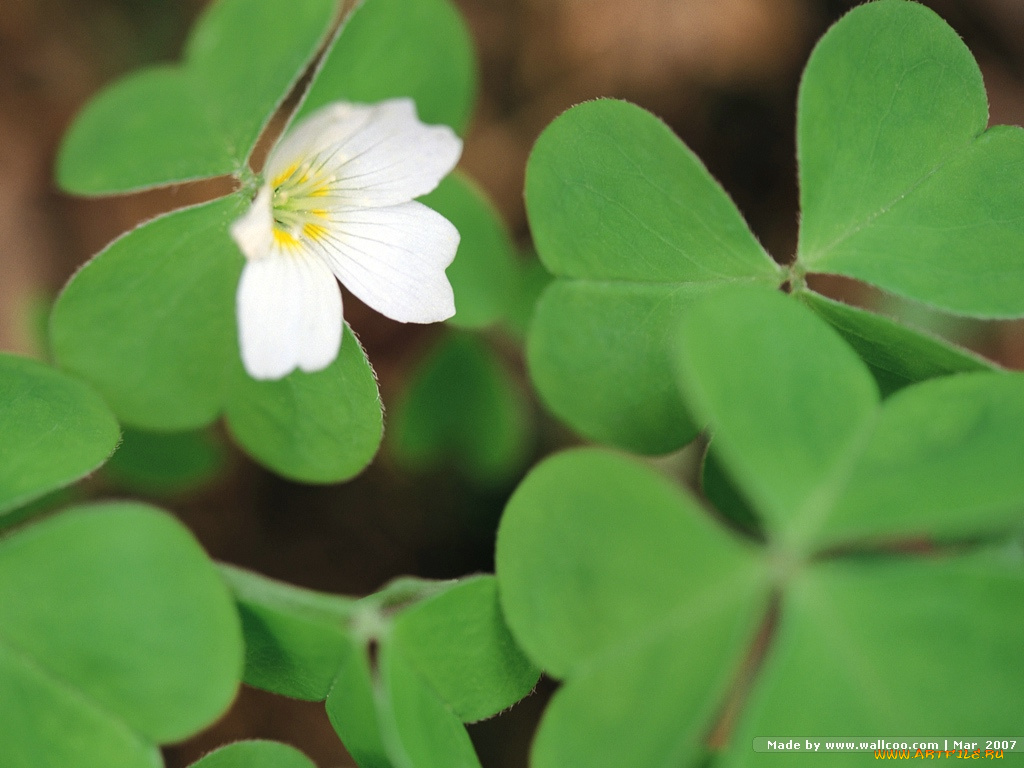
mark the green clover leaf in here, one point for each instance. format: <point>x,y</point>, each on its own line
<point>616,582</point>
<point>459,642</point>
<point>55,430</point>
<point>126,641</point>
<point>391,48</point>
<point>315,427</point>
<point>400,670</point>
<point>177,123</point>
<point>834,667</point>
<point>799,427</point>
<point>633,227</point>
<point>896,354</point>
<point>900,183</point>
<point>938,461</point>
<point>150,321</point>
<point>166,463</point>
<point>255,754</point>
<point>487,437</point>
<point>899,186</point>
<point>621,585</point>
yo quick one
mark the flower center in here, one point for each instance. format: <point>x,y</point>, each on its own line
<point>299,193</point>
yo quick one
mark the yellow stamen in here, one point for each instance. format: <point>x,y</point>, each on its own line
<point>286,174</point>
<point>314,231</point>
<point>284,238</point>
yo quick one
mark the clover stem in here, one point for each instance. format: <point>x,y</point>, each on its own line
<point>783,564</point>
<point>796,277</point>
<point>249,180</point>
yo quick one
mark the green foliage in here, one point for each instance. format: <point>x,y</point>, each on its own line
<point>896,355</point>
<point>597,357</point>
<point>797,421</point>
<point>165,463</point>
<point>613,580</point>
<point>173,363</point>
<point>151,320</point>
<point>725,497</point>
<point>532,281</point>
<point>130,641</point>
<point>788,402</point>
<point>899,186</point>
<point>642,206</point>
<point>866,470</point>
<point>633,226</point>
<point>387,716</point>
<point>463,406</point>
<point>397,686</point>
<point>54,431</point>
<point>126,640</point>
<point>392,48</point>
<point>595,594</point>
<point>202,118</point>
<point>255,754</point>
<point>294,639</point>
<point>459,642</point>
<point>622,585</point>
<point>868,135</point>
<point>836,665</point>
<point>315,427</point>
<point>943,460</point>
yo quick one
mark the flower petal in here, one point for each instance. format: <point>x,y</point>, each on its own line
<point>253,231</point>
<point>394,259</point>
<point>366,155</point>
<point>289,314</point>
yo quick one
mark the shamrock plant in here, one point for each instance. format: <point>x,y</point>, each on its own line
<point>900,185</point>
<point>848,565</point>
<point>400,670</point>
<point>116,632</point>
<point>487,438</point>
<point>55,431</point>
<point>657,615</point>
<point>662,320</point>
<point>119,635</point>
<point>151,321</point>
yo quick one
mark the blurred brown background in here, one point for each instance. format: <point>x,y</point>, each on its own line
<point>722,73</point>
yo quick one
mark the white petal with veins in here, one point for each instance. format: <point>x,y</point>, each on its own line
<point>289,315</point>
<point>367,155</point>
<point>394,259</point>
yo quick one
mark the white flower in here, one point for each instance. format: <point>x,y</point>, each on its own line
<point>338,203</point>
